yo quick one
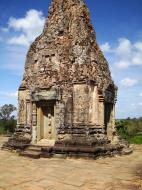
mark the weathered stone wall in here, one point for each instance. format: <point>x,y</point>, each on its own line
<point>67,50</point>
<point>65,64</point>
<point>80,104</point>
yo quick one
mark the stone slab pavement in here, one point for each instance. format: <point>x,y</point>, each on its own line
<point>116,173</point>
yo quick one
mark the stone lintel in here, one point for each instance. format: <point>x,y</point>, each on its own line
<point>44,95</point>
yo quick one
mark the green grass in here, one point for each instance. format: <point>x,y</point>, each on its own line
<point>137,139</point>
<point>130,129</point>
<point>2,131</point>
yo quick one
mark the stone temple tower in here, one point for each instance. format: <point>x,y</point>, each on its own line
<point>67,96</point>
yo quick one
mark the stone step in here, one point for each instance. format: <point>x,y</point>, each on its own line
<point>34,148</point>
<point>45,143</point>
<point>30,154</point>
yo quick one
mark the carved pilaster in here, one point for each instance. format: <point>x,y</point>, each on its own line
<point>34,123</point>
<point>34,115</point>
<point>101,111</point>
<point>28,109</point>
<point>95,115</point>
<point>62,113</point>
<point>22,112</point>
<point>57,113</point>
<point>21,108</point>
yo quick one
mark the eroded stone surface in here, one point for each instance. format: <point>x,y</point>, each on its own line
<point>67,94</point>
<point>66,51</point>
<point>117,173</point>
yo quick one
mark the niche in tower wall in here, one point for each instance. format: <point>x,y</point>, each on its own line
<point>107,113</point>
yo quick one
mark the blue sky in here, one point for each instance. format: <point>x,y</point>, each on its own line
<point>119,33</point>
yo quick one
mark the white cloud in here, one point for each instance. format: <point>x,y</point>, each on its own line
<point>127,82</point>
<point>133,104</point>
<point>13,58</point>
<point>9,94</point>
<point>140,104</point>
<point>20,40</point>
<point>29,27</point>
<point>124,47</point>
<point>105,47</point>
<point>125,54</point>
<point>141,94</point>
<point>138,45</point>
<point>123,64</point>
<point>13,94</point>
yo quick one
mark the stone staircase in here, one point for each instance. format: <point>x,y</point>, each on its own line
<point>32,151</point>
<point>41,149</point>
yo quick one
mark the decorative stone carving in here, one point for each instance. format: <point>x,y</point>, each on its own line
<point>21,111</point>
<point>34,115</point>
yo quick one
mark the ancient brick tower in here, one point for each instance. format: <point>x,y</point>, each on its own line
<point>67,96</point>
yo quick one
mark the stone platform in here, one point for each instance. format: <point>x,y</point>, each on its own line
<point>39,151</point>
<point>115,173</point>
<point>73,149</point>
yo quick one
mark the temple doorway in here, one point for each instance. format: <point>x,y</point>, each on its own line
<point>46,130</point>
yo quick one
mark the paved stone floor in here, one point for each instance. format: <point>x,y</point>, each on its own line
<point>117,173</point>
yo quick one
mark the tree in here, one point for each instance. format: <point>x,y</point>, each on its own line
<point>7,119</point>
<point>6,112</point>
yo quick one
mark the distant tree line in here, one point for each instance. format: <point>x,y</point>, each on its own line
<point>7,119</point>
<point>130,129</point>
